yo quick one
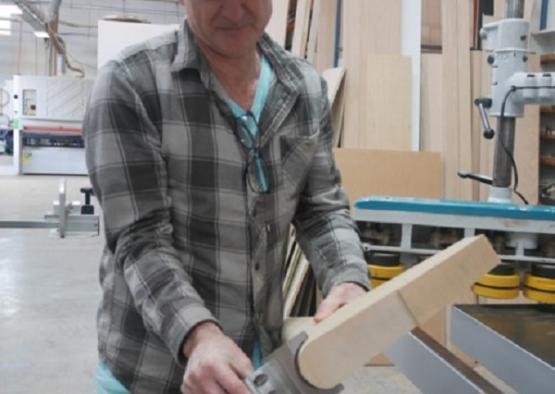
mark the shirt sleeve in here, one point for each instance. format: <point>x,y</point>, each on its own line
<point>325,230</point>
<point>129,177</point>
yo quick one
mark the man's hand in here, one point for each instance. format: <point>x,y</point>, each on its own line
<point>339,295</point>
<point>215,364</point>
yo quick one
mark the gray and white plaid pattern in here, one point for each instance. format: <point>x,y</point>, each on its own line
<point>187,240</point>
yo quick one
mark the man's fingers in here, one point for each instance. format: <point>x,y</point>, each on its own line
<point>242,365</point>
<point>327,307</point>
<point>230,381</point>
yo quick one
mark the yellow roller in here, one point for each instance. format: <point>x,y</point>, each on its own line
<point>540,289</point>
<point>376,282</point>
<point>496,293</point>
<point>540,296</point>
<point>383,267</point>
<point>499,280</point>
<point>381,272</point>
<point>501,283</point>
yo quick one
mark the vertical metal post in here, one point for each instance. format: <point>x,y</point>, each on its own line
<point>515,9</point>
<point>506,128</point>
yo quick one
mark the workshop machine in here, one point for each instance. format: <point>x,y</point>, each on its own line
<point>66,217</point>
<point>514,342</point>
<point>47,116</point>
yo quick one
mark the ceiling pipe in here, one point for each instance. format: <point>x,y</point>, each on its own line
<point>56,62</point>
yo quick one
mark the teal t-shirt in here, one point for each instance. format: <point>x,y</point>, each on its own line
<point>265,80</point>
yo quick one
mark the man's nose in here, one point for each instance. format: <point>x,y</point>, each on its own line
<point>233,11</point>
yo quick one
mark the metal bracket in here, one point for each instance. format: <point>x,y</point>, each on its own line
<point>65,217</point>
<point>280,375</point>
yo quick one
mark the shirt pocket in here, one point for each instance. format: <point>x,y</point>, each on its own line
<point>297,153</point>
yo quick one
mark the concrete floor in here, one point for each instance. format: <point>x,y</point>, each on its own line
<point>48,298</point>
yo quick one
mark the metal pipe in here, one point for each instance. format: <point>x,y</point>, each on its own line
<point>504,146</point>
<point>502,165</point>
<point>515,9</point>
<point>54,10</point>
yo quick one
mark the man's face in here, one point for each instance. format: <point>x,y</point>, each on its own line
<point>229,27</point>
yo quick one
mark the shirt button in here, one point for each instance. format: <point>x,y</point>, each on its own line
<point>257,266</point>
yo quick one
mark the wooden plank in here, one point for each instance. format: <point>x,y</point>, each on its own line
<point>456,94</point>
<point>325,49</point>
<point>388,103</point>
<point>411,43</point>
<point>337,116</point>
<point>486,146</point>
<point>465,31</point>
<point>277,27</point>
<point>313,32</point>
<point>366,172</point>
<point>477,128</point>
<point>431,110</point>
<point>431,23</point>
<point>390,311</point>
<point>300,32</point>
<point>334,79</point>
<point>369,27</point>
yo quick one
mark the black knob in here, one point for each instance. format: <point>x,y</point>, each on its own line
<point>489,134</point>
<point>87,208</point>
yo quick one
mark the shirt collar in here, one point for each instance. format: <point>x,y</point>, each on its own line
<point>189,56</point>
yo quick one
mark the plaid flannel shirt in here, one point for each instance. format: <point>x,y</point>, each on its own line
<point>187,239</point>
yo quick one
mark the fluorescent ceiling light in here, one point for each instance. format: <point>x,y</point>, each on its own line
<point>8,10</point>
<point>5,33</point>
<point>41,34</point>
<point>5,25</point>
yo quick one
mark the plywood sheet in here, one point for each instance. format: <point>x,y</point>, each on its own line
<point>325,47</point>
<point>386,115</point>
<point>432,104</point>
<point>369,27</point>
<point>334,79</point>
<point>457,145</point>
<point>302,24</point>
<point>366,172</point>
<point>277,27</point>
<point>431,23</point>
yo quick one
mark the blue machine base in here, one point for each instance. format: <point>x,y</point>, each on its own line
<point>453,207</point>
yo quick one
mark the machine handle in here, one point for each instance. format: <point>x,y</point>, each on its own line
<point>476,177</point>
<point>482,103</point>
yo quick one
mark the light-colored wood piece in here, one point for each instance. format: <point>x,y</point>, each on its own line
<point>297,280</point>
<point>387,112</point>
<point>431,127</point>
<point>457,146</point>
<point>314,31</point>
<point>366,172</point>
<point>431,23</point>
<point>369,27</point>
<point>334,79</point>
<point>477,128</point>
<point>337,116</point>
<point>300,32</point>
<point>277,27</point>
<point>336,347</point>
<point>464,11</point>
<point>389,107</point>
<point>325,48</point>
<point>411,44</point>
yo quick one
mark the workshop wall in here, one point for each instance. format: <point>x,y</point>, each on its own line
<point>23,53</point>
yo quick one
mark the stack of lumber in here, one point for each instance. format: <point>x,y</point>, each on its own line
<point>372,100</point>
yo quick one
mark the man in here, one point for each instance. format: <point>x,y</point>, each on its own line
<point>203,146</point>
